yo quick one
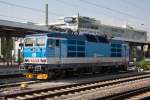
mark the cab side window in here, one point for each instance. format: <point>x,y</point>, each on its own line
<point>57,43</point>
<point>50,43</point>
<point>53,43</point>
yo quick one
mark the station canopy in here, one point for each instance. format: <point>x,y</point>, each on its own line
<point>17,29</point>
<point>133,41</point>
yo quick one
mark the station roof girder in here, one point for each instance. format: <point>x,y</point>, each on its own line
<point>133,41</point>
<point>11,28</point>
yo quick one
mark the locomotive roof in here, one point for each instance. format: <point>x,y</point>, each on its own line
<point>80,37</point>
<point>67,35</point>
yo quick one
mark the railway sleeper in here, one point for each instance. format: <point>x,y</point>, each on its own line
<point>80,88</point>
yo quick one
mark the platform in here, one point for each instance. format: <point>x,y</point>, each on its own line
<point>9,70</point>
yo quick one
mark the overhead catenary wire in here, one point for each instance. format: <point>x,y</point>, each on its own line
<point>72,5</point>
<point>56,14</point>
<point>135,20</point>
<point>91,3</point>
<point>85,9</point>
<point>75,5</point>
<point>29,8</point>
<point>135,5</point>
<point>115,11</point>
<point>66,3</point>
<point>23,19</point>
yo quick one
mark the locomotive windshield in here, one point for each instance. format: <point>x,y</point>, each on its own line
<point>35,41</point>
<point>40,41</point>
<point>29,41</point>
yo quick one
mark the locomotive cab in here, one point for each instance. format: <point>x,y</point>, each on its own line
<point>34,55</point>
<point>39,50</point>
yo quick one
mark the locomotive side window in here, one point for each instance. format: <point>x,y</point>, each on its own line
<point>53,43</point>
<point>50,43</point>
<point>57,43</point>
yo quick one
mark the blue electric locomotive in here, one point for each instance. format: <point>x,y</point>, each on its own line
<point>56,53</point>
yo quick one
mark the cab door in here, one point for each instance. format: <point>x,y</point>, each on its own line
<point>57,48</point>
<point>53,48</point>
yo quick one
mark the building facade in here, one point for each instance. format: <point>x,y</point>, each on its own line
<point>93,26</point>
<point>85,25</point>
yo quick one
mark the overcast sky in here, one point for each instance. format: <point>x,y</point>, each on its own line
<point>135,13</point>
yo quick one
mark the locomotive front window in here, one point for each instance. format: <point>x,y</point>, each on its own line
<point>40,41</point>
<point>29,41</point>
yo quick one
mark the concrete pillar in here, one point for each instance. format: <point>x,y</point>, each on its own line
<point>130,51</point>
<point>142,51</point>
<point>7,50</point>
<point>0,48</point>
<point>148,47</point>
<point>148,51</point>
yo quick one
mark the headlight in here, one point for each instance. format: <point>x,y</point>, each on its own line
<point>22,67</point>
<point>26,60</point>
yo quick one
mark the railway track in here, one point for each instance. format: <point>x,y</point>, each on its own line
<point>141,95</point>
<point>10,75</point>
<point>16,84</point>
<point>73,90</point>
<point>136,94</point>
